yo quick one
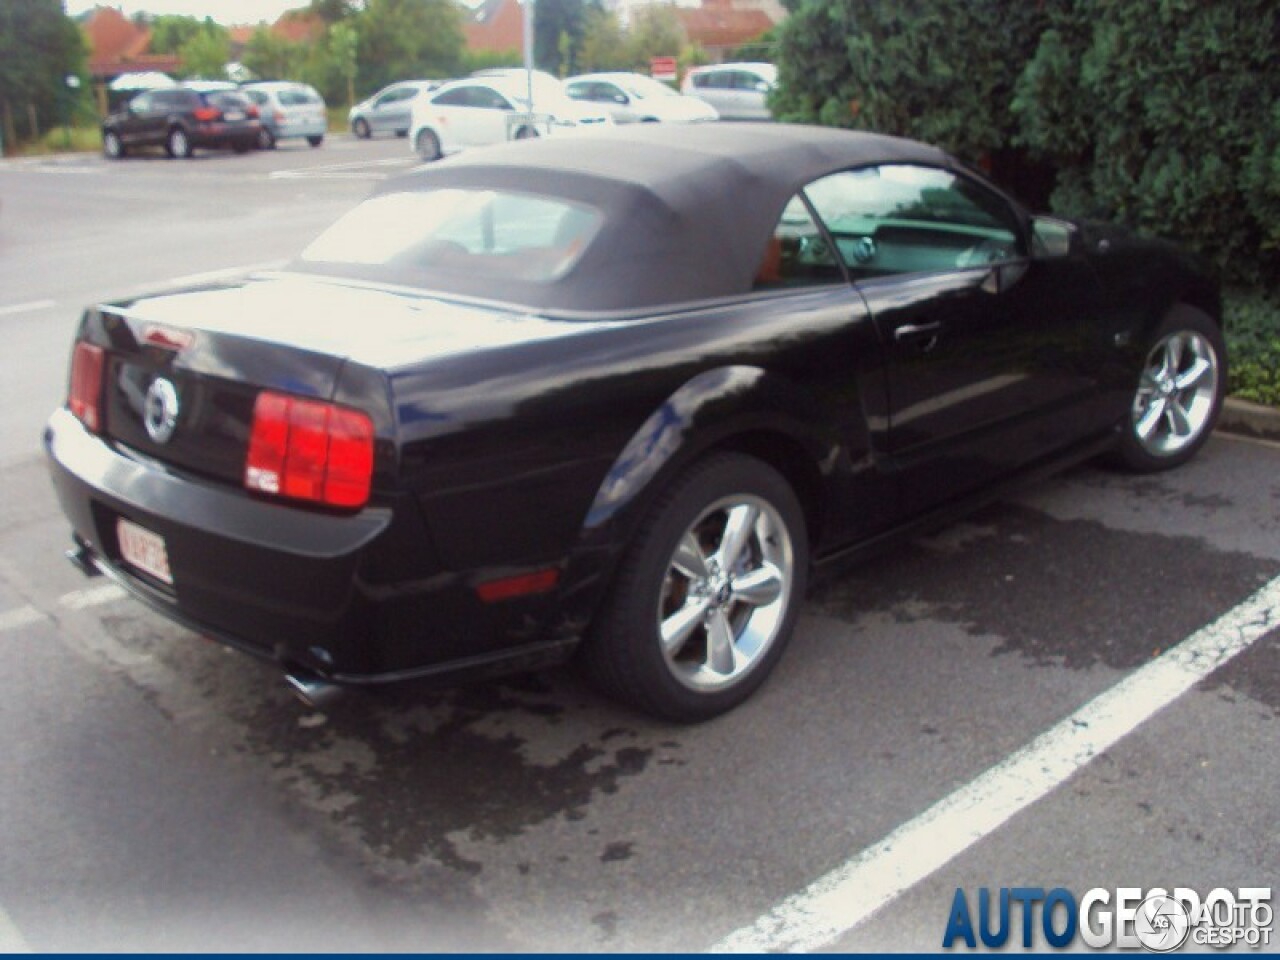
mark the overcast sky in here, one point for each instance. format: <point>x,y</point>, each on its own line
<point>224,11</point>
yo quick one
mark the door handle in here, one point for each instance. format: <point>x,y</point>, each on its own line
<point>917,332</point>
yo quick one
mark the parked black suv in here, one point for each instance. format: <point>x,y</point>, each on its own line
<point>180,120</point>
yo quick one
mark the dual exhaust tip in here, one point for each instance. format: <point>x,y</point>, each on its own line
<point>313,692</point>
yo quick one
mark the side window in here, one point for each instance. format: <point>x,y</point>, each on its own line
<point>578,91</point>
<point>143,103</point>
<point>701,80</point>
<point>489,99</point>
<point>906,219</point>
<point>797,254</point>
<point>457,97</point>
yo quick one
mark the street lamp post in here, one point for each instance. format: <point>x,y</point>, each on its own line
<point>73,84</point>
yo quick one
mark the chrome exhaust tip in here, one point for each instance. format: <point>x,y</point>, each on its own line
<point>82,559</point>
<point>312,691</point>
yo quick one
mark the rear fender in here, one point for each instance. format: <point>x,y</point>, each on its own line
<point>715,410</point>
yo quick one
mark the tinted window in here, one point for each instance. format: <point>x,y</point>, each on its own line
<point>457,97</point>
<point>257,96</point>
<point>515,236</point>
<point>797,255</point>
<point>905,219</point>
<point>297,98</point>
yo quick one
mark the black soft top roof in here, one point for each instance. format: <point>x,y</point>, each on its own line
<point>688,210</point>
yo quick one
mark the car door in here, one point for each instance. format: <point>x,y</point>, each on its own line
<point>483,120</point>
<point>390,113</point>
<point>994,357</point>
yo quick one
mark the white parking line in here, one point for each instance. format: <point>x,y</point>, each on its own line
<point>27,307</point>
<point>11,938</point>
<point>836,903</point>
<point>92,597</point>
<point>19,617</point>
<point>339,171</point>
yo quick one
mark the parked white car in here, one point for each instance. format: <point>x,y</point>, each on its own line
<point>389,110</point>
<point>481,111</point>
<point>288,110</point>
<point>635,98</point>
<point>738,91</point>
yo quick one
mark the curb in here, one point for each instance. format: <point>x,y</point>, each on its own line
<point>1248,419</point>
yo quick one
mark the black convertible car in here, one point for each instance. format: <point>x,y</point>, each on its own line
<point>619,396</point>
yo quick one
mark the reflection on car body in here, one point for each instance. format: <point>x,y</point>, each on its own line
<point>579,398</point>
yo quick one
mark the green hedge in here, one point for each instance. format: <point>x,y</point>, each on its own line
<point>1164,114</point>
<point>1253,346</point>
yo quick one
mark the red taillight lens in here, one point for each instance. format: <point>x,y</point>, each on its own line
<point>205,114</point>
<point>309,450</point>
<point>252,111</point>
<point>85,400</point>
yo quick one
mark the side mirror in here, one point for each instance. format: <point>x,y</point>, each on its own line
<point>1051,238</point>
<point>621,98</point>
<point>761,87</point>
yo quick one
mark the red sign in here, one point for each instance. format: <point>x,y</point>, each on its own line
<point>663,68</point>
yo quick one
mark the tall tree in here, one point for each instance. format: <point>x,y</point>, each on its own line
<point>604,46</point>
<point>206,54</point>
<point>552,21</point>
<point>656,31</point>
<point>271,57</point>
<point>406,39</point>
<point>170,32</point>
<point>39,47</point>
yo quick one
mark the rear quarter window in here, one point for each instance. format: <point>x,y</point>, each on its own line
<point>504,234</point>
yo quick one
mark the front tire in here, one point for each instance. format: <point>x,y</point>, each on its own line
<point>315,141</point>
<point>428,146</point>
<point>266,139</point>
<point>177,145</point>
<point>706,596</point>
<point>1178,395</point>
<point>112,147</point>
<point>526,133</point>
<point>361,128</point>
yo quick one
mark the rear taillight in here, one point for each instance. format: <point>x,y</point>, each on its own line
<point>85,400</point>
<point>309,450</point>
<point>205,114</point>
<point>252,111</point>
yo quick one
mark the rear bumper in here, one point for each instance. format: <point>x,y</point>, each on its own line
<point>338,596</point>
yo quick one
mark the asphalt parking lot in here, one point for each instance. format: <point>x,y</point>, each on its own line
<point>159,792</point>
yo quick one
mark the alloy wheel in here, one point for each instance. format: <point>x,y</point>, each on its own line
<point>726,592</point>
<point>1177,393</point>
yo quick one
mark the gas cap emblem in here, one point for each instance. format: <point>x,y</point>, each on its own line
<point>160,414</point>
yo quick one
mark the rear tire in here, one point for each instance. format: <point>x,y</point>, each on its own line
<point>315,141</point>
<point>707,594</point>
<point>526,133</point>
<point>1178,395</point>
<point>177,145</point>
<point>266,139</point>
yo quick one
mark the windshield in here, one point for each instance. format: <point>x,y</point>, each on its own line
<point>515,236</point>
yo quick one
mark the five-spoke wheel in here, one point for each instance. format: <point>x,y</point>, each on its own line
<point>707,594</point>
<point>1179,392</point>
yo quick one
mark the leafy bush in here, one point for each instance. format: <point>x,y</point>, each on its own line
<point>1165,115</point>
<point>1253,346</point>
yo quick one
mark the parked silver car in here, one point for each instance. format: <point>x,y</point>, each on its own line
<point>635,98</point>
<point>738,91</point>
<point>288,110</point>
<point>390,110</point>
